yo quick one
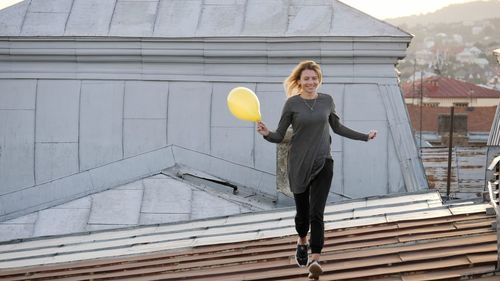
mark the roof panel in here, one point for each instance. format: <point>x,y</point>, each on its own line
<point>53,6</point>
<point>90,18</point>
<point>133,18</point>
<point>220,20</point>
<point>265,14</point>
<point>48,24</point>
<point>304,20</point>
<point>177,17</point>
<point>191,18</point>
<point>452,273</point>
<point>11,19</point>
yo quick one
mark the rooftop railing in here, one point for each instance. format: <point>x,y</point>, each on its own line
<point>494,192</point>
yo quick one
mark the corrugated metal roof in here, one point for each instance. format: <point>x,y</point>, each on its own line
<point>442,87</point>
<point>404,237</point>
<point>468,166</point>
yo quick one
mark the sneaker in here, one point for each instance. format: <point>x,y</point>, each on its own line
<point>315,270</point>
<point>301,256</point>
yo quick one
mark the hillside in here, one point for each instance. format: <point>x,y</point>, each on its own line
<point>455,42</point>
<point>456,13</point>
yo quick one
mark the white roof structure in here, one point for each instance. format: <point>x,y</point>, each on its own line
<point>189,19</point>
<point>95,94</point>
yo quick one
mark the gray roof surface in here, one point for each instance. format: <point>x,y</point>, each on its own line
<point>162,198</point>
<point>230,229</point>
<point>190,18</point>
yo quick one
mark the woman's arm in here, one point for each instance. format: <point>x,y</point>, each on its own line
<point>342,130</point>
<point>279,134</point>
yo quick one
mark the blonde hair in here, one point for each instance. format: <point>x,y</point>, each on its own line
<point>291,83</point>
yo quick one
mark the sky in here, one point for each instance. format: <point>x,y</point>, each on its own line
<point>384,9</point>
<point>7,3</point>
<point>381,9</point>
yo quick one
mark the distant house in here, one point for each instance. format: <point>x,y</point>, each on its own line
<point>469,55</point>
<point>482,62</point>
<point>421,75</point>
<point>424,56</point>
<point>477,30</point>
<point>440,91</point>
<point>475,109</point>
<point>458,38</point>
<point>429,42</point>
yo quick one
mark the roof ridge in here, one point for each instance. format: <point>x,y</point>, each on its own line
<point>374,18</point>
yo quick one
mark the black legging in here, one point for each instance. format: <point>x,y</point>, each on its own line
<point>310,209</point>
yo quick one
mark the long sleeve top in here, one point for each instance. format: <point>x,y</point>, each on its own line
<point>310,143</point>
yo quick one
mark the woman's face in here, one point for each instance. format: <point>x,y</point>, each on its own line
<point>309,81</point>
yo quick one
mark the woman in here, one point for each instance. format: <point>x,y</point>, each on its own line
<point>310,164</point>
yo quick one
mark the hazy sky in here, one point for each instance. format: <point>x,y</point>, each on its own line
<point>6,3</point>
<point>381,9</point>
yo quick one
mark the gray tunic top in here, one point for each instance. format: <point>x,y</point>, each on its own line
<point>310,143</point>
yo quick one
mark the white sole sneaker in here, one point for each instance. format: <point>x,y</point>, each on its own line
<point>315,270</point>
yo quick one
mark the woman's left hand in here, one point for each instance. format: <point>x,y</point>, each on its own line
<point>262,129</point>
<point>372,134</point>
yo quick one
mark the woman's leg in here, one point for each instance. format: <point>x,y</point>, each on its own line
<point>302,215</point>
<point>302,227</point>
<point>319,189</point>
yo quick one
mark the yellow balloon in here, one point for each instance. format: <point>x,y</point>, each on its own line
<point>244,104</point>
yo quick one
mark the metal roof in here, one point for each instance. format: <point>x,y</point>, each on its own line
<point>403,237</point>
<point>468,165</point>
<point>178,194</point>
<point>190,18</point>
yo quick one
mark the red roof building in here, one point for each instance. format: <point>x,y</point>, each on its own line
<point>475,108</point>
<point>445,92</point>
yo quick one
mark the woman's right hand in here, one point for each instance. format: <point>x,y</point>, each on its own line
<point>262,129</point>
